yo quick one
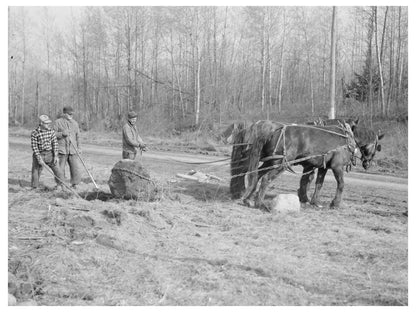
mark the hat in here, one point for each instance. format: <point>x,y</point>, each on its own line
<point>45,119</point>
<point>132,114</point>
<point>68,110</point>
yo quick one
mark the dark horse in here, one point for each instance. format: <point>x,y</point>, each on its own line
<point>279,146</point>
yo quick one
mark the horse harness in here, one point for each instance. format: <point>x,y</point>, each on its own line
<point>351,145</point>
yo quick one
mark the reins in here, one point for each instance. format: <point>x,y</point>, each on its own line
<point>285,163</point>
<point>199,162</point>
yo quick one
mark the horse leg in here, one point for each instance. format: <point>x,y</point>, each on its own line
<point>305,182</point>
<point>339,176</point>
<point>265,181</point>
<point>253,178</point>
<point>318,185</point>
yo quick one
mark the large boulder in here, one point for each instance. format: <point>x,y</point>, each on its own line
<point>129,180</point>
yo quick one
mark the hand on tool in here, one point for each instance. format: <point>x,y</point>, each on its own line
<point>55,159</point>
<point>85,166</point>
<point>42,163</point>
<point>65,133</point>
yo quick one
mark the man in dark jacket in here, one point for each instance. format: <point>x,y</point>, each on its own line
<point>45,151</point>
<point>131,138</point>
<point>67,133</point>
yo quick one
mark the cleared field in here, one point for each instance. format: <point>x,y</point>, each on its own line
<point>195,246</point>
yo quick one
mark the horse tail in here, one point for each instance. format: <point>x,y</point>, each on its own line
<point>238,165</point>
<point>246,155</point>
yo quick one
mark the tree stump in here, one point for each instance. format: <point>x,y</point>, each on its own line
<point>129,180</point>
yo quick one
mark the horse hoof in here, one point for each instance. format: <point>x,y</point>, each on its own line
<point>263,207</point>
<point>317,205</point>
<point>248,203</point>
<point>304,204</point>
<point>333,206</point>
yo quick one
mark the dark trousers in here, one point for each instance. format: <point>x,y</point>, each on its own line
<point>74,167</point>
<point>129,155</point>
<point>37,169</point>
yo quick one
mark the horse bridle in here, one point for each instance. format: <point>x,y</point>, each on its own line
<point>364,157</point>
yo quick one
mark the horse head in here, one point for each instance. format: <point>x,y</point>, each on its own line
<point>368,143</point>
<point>352,122</point>
<point>228,135</point>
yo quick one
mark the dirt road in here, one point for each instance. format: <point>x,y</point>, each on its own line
<point>194,161</point>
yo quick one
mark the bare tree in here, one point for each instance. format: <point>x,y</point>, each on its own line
<point>47,26</point>
<point>23,19</point>
<point>379,61</point>
<point>197,66</point>
<point>333,65</point>
<point>263,58</point>
<point>369,61</point>
<point>192,64</point>
<point>281,67</point>
<point>309,62</point>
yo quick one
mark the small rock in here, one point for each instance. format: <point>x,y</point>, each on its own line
<point>286,203</point>
<point>77,243</point>
<point>113,215</point>
<point>81,221</point>
<point>12,300</point>
<point>108,241</point>
<point>13,248</point>
<point>59,202</point>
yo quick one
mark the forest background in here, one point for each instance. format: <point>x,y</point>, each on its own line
<point>187,68</point>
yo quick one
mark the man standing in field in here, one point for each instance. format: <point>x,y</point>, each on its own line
<point>45,151</point>
<point>131,138</point>
<point>67,133</point>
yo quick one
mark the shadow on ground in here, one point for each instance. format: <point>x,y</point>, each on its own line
<point>203,191</point>
<point>20,182</point>
<point>94,195</point>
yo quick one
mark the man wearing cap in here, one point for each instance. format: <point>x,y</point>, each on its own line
<point>131,138</point>
<point>45,151</point>
<point>67,133</point>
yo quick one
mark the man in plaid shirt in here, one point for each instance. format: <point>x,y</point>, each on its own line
<point>45,151</point>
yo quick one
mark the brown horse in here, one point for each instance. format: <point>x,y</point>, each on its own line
<point>279,146</point>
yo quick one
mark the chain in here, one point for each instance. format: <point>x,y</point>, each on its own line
<point>288,163</point>
<point>136,174</point>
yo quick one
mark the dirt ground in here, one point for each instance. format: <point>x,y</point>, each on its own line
<point>196,246</point>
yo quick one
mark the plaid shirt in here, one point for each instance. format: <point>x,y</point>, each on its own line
<point>43,140</point>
